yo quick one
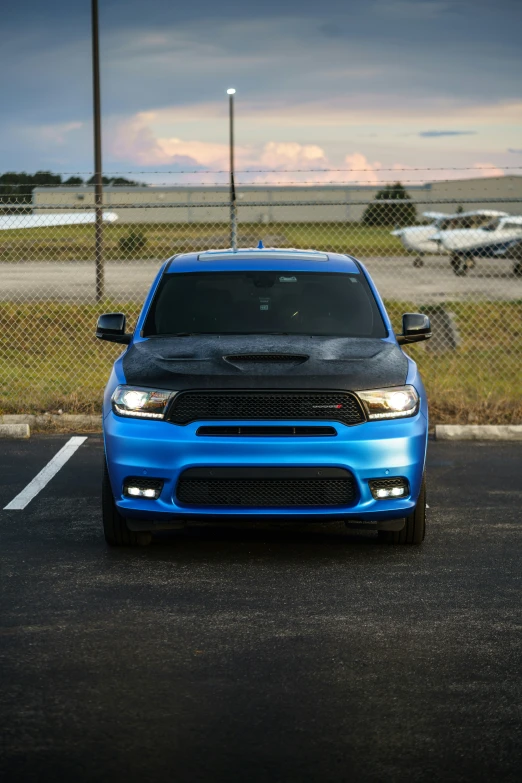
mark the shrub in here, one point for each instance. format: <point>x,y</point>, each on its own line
<point>133,243</point>
<point>380,213</point>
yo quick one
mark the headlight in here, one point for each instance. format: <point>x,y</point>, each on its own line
<point>140,403</point>
<point>393,403</point>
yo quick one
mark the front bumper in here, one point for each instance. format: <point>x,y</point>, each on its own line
<point>158,449</point>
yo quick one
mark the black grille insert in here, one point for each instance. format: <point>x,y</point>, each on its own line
<point>388,483</point>
<point>266,432</point>
<point>266,488</point>
<point>243,405</point>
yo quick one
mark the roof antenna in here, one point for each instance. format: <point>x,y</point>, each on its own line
<point>260,245</point>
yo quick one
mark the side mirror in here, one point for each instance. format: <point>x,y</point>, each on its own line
<point>111,327</point>
<point>415,328</point>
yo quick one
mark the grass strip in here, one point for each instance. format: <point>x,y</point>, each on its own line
<point>51,361</point>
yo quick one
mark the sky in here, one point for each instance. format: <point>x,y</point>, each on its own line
<point>379,89</point>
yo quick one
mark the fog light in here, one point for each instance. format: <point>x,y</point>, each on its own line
<point>382,489</point>
<point>142,488</point>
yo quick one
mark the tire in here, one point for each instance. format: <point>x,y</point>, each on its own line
<point>459,265</point>
<point>517,269</point>
<point>414,529</point>
<point>418,262</point>
<point>114,525</point>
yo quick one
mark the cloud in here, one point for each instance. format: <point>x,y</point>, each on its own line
<point>488,170</point>
<point>431,134</point>
<point>135,140</point>
<point>144,141</point>
<point>384,74</point>
<point>362,171</point>
<point>515,151</point>
<point>57,134</point>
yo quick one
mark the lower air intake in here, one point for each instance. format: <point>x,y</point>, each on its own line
<point>268,488</point>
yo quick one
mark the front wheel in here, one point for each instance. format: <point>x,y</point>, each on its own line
<point>414,529</point>
<point>517,269</point>
<point>460,265</point>
<point>418,262</point>
<point>114,525</point>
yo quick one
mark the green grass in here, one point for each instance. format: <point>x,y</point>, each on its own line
<point>76,243</point>
<point>50,360</point>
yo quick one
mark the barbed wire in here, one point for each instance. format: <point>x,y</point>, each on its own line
<point>253,184</point>
<point>372,170</point>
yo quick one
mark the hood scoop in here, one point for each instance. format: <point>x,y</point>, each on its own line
<point>259,362</point>
<point>266,359</point>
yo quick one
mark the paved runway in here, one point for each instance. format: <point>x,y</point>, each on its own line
<point>261,654</point>
<point>396,278</point>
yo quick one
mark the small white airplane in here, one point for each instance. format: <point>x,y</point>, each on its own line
<point>489,241</point>
<point>422,239</point>
<point>514,252</point>
<point>10,222</point>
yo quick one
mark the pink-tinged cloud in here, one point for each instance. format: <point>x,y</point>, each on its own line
<point>136,141</point>
<point>488,170</point>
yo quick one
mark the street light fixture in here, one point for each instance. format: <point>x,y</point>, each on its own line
<point>233,211</point>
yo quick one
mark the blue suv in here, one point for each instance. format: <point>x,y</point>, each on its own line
<point>264,384</point>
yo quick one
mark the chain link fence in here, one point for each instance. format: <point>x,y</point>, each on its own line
<point>459,260</point>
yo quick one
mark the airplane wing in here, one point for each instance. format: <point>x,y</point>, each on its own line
<point>9,222</point>
<point>435,215</point>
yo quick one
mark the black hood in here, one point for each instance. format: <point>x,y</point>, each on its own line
<point>264,362</point>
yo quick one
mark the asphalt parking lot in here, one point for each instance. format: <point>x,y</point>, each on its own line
<point>221,654</point>
<point>434,282</point>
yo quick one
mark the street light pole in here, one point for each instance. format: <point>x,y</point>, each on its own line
<point>98,182</point>
<point>233,207</point>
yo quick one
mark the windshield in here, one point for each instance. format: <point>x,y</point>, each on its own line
<point>464,221</point>
<point>493,225</point>
<point>314,303</point>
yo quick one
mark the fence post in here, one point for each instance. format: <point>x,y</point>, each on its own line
<point>233,204</point>
<point>98,181</point>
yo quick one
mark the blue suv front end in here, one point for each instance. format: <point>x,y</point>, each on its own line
<point>184,443</point>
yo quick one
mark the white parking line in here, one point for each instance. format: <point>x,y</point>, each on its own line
<point>45,475</point>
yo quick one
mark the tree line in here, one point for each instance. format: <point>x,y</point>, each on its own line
<point>392,205</point>
<point>18,186</point>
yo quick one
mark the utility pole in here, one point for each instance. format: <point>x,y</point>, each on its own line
<point>98,182</point>
<point>233,206</point>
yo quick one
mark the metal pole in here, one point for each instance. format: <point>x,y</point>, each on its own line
<point>233,206</point>
<point>98,183</point>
